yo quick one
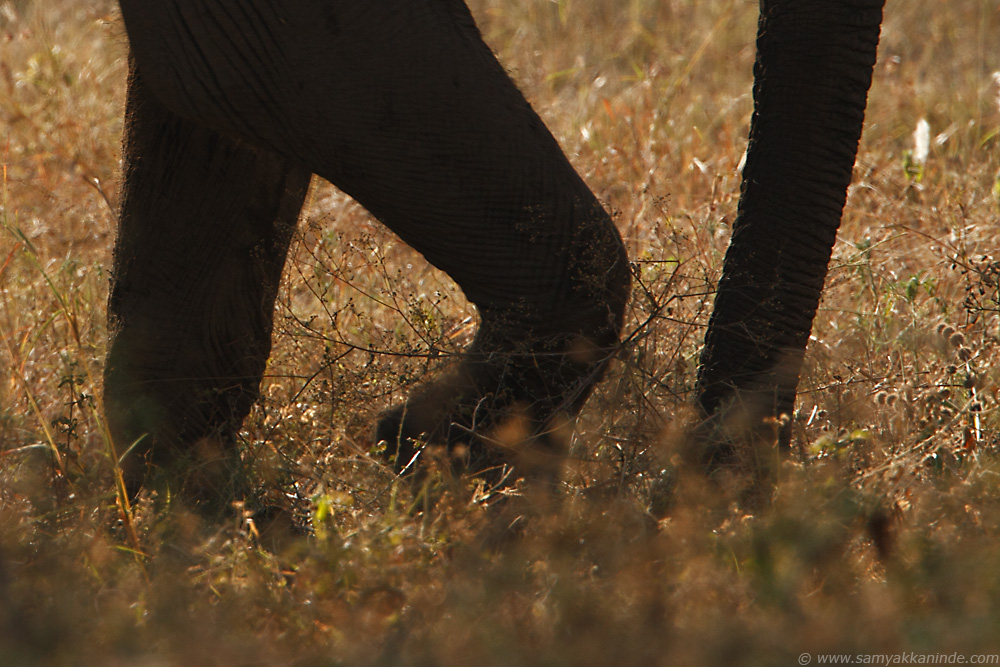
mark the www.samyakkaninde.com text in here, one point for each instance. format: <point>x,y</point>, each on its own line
<point>910,658</point>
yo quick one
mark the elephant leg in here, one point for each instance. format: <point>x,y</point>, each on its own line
<point>204,226</point>
<point>403,106</point>
<point>813,70</point>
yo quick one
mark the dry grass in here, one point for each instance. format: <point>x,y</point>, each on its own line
<point>882,537</point>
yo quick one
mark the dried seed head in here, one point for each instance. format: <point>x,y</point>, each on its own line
<point>881,397</point>
<point>951,369</point>
<point>892,398</point>
<point>964,353</point>
<point>940,328</point>
<point>956,339</point>
<point>947,331</point>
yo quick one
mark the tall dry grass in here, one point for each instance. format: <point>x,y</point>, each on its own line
<point>882,535</point>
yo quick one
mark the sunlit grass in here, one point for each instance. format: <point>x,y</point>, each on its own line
<point>882,536</point>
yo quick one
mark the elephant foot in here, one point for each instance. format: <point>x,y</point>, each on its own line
<point>740,451</point>
<point>206,478</point>
<point>408,444</point>
<point>477,438</point>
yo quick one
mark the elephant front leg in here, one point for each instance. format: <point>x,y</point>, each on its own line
<point>204,227</point>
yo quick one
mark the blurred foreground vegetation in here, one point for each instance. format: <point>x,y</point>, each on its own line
<point>882,537</point>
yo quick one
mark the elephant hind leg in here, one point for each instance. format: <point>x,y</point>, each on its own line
<point>203,230</point>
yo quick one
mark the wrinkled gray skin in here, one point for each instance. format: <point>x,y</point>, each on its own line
<point>811,79</point>
<point>232,105</point>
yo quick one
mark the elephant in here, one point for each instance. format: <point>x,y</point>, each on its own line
<point>232,105</point>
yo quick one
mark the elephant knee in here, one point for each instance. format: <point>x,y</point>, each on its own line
<point>600,295</point>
